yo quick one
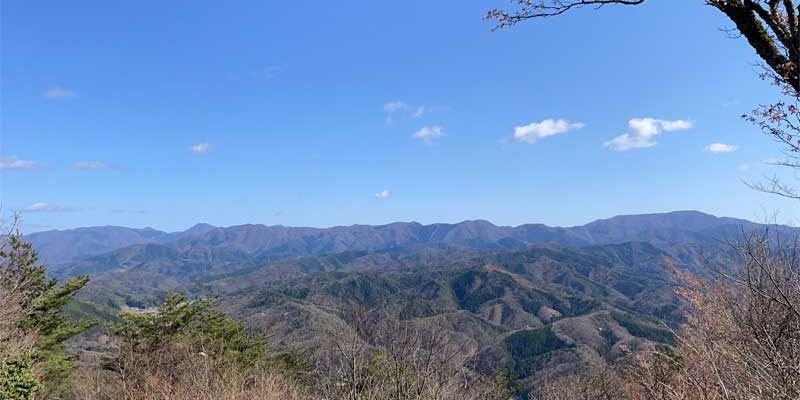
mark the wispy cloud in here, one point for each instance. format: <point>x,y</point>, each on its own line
<point>429,134</point>
<point>59,93</point>
<point>47,207</point>
<point>14,162</point>
<point>201,148</point>
<point>90,165</point>
<point>643,132</point>
<point>721,148</point>
<point>384,194</point>
<point>401,110</point>
<point>549,127</point>
<point>393,107</point>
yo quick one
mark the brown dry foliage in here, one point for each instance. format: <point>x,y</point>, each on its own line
<point>16,344</point>
<point>741,339</point>
<point>603,383</point>
<point>14,341</point>
<point>419,363</point>
<point>383,358</point>
<point>177,372</point>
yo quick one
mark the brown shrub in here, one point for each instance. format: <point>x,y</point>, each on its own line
<point>176,372</point>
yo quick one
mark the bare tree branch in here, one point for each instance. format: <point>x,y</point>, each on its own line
<point>769,26</point>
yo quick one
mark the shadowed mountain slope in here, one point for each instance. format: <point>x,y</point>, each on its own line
<point>207,246</point>
<point>61,246</point>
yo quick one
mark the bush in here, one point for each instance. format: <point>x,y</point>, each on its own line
<point>17,381</point>
<point>188,350</point>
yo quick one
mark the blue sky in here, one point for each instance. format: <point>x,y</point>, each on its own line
<point>165,114</point>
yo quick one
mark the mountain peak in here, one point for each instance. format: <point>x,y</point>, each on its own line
<point>199,229</point>
<point>672,217</point>
<point>279,241</point>
<point>477,222</point>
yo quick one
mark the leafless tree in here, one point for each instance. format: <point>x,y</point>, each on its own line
<point>17,258</point>
<point>741,339</point>
<point>383,357</point>
<point>781,122</point>
<point>176,372</point>
<point>770,26</point>
<point>344,367</point>
<point>16,344</point>
<point>598,383</point>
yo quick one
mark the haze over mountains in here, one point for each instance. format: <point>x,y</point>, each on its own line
<point>206,243</point>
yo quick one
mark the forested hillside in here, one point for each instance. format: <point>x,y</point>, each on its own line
<point>521,306</point>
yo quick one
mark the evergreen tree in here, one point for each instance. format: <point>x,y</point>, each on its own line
<point>195,324</point>
<point>40,301</point>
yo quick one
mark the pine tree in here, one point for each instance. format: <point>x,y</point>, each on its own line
<point>40,301</point>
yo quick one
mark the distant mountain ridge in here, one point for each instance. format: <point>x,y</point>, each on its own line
<point>60,246</point>
<point>206,244</point>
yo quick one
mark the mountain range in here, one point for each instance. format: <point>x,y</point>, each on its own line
<point>75,251</point>
<point>532,299</point>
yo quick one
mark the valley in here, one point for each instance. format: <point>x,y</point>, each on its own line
<point>533,300</point>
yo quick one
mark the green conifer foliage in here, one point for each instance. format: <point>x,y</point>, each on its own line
<point>46,368</point>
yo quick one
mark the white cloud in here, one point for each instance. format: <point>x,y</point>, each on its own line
<point>429,133</point>
<point>201,148</point>
<point>643,131</point>
<point>721,148</point>
<point>13,162</point>
<point>384,194</point>
<point>90,165</point>
<point>59,93</point>
<point>403,110</point>
<point>538,130</point>
<point>47,207</point>
<point>394,106</point>
<point>676,125</point>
